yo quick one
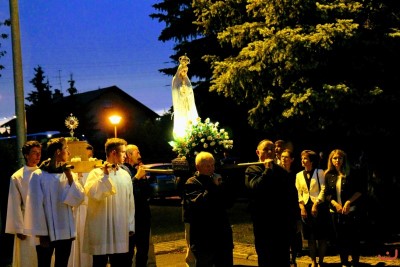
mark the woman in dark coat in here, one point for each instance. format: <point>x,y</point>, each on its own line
<point>343,192</point>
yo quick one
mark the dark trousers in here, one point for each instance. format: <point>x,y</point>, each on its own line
<point>140,240</point>
<point>348,238</point>
<point>296,244</point>
<point>62,250</point>
<point>219,257</point>
<point>272,245</point>
<point>116,260</point>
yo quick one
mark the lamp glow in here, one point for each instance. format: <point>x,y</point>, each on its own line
<point>115,120</point>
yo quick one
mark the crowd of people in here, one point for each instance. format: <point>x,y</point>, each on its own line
<point>45,209</point>
<point>311,203</point>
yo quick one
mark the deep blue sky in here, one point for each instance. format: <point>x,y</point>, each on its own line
<point>101,42</point>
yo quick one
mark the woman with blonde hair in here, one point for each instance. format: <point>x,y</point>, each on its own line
<point>343,192</point>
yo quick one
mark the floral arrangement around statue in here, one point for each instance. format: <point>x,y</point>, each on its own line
<point>202,136</point>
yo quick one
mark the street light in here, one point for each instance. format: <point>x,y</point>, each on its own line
<point>115,119</point>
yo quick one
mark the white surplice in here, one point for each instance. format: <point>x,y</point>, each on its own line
<point>24,253</point>
<point>49,205</point>
<point>78,258</point>
<point>110,212</point>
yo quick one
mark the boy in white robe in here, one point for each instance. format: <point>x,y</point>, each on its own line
<point>53,191</point>
<point>110,218</point>
<point>24,253</point>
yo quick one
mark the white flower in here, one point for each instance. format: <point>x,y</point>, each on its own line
<point>202,136</point>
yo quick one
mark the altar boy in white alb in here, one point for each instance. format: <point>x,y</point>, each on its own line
<point>110,218</point>
<point>53,192</point>
<point>24,246</point>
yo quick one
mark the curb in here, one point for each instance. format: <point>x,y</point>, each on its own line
<point>247,251</point>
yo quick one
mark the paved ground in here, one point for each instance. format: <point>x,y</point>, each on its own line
<point>389,255</point>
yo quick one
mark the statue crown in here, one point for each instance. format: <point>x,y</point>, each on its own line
<point>184,60</point>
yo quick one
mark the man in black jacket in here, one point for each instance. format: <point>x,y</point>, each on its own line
<point>206,200</point>
<point>141,192</point>
<point>273,206</point>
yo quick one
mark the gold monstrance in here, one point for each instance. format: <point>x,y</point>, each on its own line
<point>72,123</point>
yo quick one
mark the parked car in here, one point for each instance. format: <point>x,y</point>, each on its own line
<point>162,180</point>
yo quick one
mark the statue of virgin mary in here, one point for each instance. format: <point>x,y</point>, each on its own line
<point>185,112</point>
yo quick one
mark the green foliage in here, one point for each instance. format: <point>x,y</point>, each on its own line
<point>3,36</point>
<point>304,61</point>
<point>202,136</point>
<point>43,94</point>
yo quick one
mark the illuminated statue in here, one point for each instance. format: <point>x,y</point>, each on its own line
<point>185,112</point>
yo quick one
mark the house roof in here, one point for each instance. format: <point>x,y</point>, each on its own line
<point>89,96</point>
<point>6,120</point>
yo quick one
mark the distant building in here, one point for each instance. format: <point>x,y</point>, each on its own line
<point>92,109</point>
<point>6,126</point>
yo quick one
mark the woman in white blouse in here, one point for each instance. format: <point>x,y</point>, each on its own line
<point>310,184</point>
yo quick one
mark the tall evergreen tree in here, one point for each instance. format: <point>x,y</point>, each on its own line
<point>179,19</point>
<point>41,101</point>
<point>306,64</point>
<point>43,93</point>
<point>3,36</point>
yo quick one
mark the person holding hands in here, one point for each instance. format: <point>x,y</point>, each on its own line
<point>310,184</point>
<point>343,192</point>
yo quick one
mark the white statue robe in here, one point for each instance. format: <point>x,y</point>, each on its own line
<point>50,203</point>
<point>110,212</point>
<point>24,253</point>
<point>185,111</point>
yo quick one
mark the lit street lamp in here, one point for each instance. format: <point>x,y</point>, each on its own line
<point>115,119</point>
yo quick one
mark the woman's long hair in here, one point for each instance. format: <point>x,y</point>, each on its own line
<point>344,169</point>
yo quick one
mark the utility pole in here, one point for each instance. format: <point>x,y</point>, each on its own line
<point>18,80</point>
